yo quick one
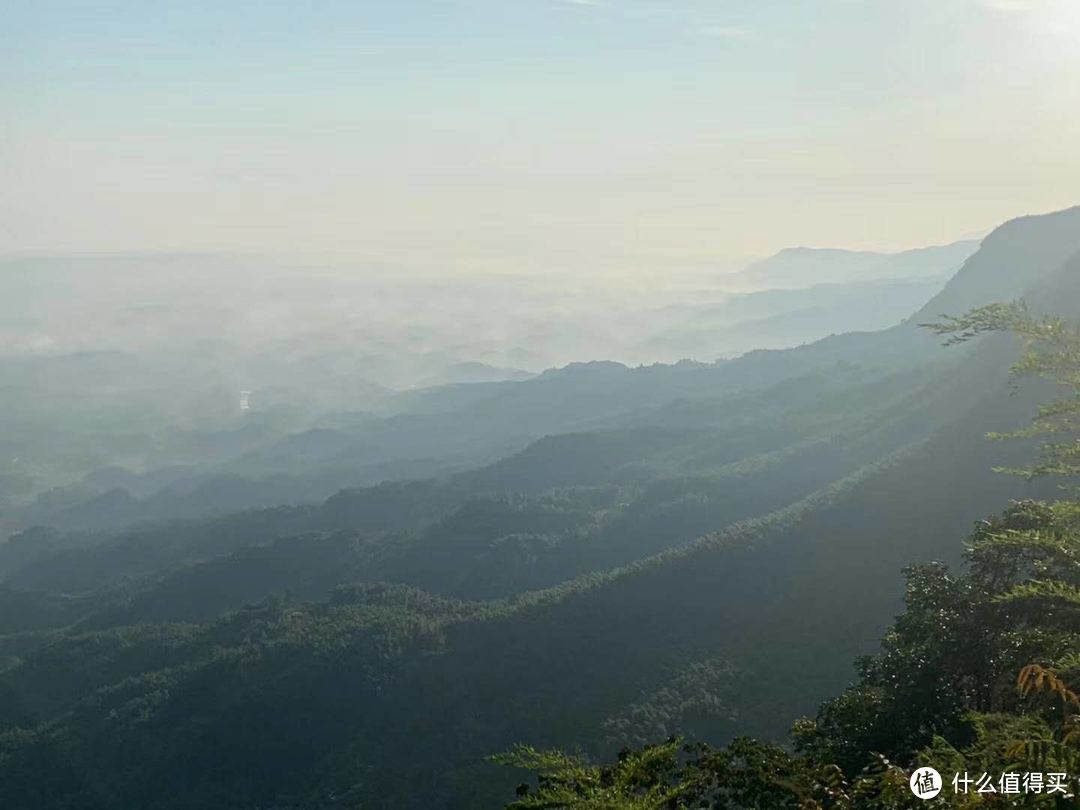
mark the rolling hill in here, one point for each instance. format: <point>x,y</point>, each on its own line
<point>699,548</point>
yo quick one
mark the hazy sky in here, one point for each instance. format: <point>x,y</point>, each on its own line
<point>465,131</point>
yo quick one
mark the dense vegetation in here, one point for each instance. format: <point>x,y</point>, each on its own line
<point>973,678</point>
<point>696,551</point>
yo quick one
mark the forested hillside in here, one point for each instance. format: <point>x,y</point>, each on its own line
<point>973,680</point>
<point>596,557</point>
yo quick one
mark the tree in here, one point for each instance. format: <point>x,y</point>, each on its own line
<point>746,774</point>
<point>1051,352</point>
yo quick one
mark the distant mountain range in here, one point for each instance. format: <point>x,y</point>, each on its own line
<point>806,267</point>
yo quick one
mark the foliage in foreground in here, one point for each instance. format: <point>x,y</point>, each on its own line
<point>1051,351</point>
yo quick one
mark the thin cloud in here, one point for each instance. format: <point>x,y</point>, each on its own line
<point>724,31</point>
<point>1011,5</point>
<point>718,31</point>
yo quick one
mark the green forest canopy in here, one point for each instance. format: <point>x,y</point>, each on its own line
<point>975,677</point>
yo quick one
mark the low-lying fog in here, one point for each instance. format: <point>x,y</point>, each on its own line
<point>145,362</point>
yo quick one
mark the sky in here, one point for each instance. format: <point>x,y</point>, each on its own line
<point>626,135</point>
